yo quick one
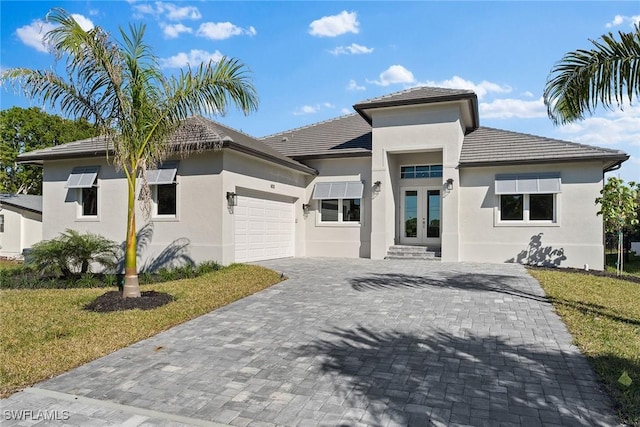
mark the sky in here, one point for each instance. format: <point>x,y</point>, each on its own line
<point>312,61</point>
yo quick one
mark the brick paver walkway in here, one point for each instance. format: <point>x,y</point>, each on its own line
<point>349,343</point>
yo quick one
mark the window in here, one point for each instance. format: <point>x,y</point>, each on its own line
<point>85,180</point>
<point>339,202</point>
<point>527,207</point>
<point>1,223</point>
<point>340,210</point>
<point>164,189</point>
<point>89,201</point>
<point>528,197</point>
<point>424,171</point>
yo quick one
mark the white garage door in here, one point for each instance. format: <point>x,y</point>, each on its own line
<point>264,229</point>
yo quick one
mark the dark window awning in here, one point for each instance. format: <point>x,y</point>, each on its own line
<point>82,177</point>
<point>338,190</point>
<point>165,174</point>
<point>528,183</point>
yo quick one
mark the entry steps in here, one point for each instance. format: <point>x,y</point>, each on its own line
<point>414,252</point>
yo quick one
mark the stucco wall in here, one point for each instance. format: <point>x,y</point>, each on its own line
<point>339,240</point>
<point>412,130</point>
<point>22,228</point>
<point>203,227</point>
<point>576,236</point>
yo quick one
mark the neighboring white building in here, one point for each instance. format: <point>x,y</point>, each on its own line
<point>20,223</point>
<point>411,168</point>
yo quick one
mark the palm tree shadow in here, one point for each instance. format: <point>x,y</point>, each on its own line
<point>435,378</point>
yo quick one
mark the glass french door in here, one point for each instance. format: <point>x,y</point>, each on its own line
<point>420,215</point>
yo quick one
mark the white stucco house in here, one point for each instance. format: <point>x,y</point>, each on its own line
<point>20,223</point>
<point>410,169</point>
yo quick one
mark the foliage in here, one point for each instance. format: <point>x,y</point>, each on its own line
<point>603,316</point>
<point>27,129</point>
<point>46,332</point>
<point>72,253</point>
<point>631,266</point>
<point>120,86</point>
<point>606,75</point>
<point>618,207</point>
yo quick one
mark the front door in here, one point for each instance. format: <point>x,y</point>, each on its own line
<point>420,214</point>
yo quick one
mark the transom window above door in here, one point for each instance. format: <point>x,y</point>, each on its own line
<point>421,171</point>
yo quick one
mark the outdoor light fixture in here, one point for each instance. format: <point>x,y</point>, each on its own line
<point>450,184</point>
<point>376,186</point>
<point>232,199</point>
<point>305,208</point>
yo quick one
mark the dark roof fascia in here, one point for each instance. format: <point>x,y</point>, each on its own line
<point>617,158</point>
<point>255,153</point>
<point>332,156</point>
<point>4,202</point>
<point>360,108</point>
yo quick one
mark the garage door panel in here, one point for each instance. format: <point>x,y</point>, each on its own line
<point>264,229</point>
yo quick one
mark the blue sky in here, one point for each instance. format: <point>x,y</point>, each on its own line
<point>312,61</point>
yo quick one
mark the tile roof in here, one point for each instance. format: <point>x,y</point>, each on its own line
<point>209,133</point>
<point>29,202</point>
<point>488,146</point>
<point>421,94</point>
<point>343,136</point>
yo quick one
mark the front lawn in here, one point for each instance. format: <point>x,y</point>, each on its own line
<point>603,316</point>
<point>631,267</point>
<point>47,331</point>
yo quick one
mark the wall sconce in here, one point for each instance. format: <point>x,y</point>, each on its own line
<point>376,186</point>
<point>305,208</point>
<point>450,184</point>
<point>232,199</point>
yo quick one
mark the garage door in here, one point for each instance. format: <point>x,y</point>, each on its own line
<point>264,229</point>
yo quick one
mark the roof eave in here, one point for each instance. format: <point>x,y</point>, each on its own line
<point>255,153</point>
<point>332,155</point>
<point>614,159</point>
<point>471,97</point>
<point>24,208</point>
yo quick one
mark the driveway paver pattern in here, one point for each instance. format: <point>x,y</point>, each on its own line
<point>347,342</point>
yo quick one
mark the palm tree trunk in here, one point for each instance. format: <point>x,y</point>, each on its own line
<point>131,288</point>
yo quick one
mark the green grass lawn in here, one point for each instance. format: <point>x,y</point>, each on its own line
<point>46,331</point>
<point>6,264</point>
<point>603,316</point>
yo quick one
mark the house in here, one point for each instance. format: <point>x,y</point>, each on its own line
<point>412,168</point>
<point>20,223</point>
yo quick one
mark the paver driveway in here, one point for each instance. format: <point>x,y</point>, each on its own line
<point>348,342</point>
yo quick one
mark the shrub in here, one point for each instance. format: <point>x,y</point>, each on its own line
<point>71,253</point>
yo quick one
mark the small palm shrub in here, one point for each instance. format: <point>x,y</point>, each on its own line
<point>72,253</point>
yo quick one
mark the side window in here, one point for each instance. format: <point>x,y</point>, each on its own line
<point>84,180</point>
<point>89,201</point>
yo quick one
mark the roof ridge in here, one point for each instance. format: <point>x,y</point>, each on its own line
<point>594,147</point>
<point>344,116</point>
<point>224,126</point>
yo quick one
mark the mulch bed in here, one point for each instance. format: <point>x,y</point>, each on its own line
<point>601,273</point>
<point>113,301</point>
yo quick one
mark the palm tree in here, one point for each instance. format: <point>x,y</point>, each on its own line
<point>606,75</point>
<point>119,86</point>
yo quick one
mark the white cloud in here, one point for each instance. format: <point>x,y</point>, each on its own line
<point>194,58</point>
<point>621,19</point>
<point>346,111</point>
<point>312,109</point>
<point>94,12</point>
<point>353,85</point>
<point>619,127</point>
<point>169,10</point>
<point>173,31</point>
<point>527,94</point>
<point>33,34</point>
<point>354,49</point>
<point>508,108</point>
<point>223,30</point>
<point>394,74</point>
<point>335,25</point>
<point>481,89</point>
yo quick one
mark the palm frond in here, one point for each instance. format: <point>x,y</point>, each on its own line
<point>606,75</point>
